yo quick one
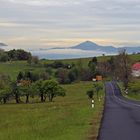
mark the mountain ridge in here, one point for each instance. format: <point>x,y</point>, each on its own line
<point>3,44</point>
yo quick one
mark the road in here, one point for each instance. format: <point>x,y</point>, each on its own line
<point>121,119</point>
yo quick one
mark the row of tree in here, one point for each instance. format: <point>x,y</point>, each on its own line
<point>26,88</point>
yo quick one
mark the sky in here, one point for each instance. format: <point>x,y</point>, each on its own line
<point>33,24</point>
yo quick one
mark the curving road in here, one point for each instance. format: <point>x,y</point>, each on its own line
<point>121,120</point>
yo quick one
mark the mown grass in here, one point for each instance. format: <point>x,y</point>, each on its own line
<point>68,118</point>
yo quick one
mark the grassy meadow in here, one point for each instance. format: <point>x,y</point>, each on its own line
<point>13,68</point>
<point>70,117</point>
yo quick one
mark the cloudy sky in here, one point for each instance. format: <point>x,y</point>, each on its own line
<point>32,24</point>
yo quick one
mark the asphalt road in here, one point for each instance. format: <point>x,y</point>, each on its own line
<point>121,120</point>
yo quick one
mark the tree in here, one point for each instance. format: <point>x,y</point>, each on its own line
<point>4,87</point>
<point>26,88</point>
<point>35,60</point>
<point>28,76</point>
<point>4,57</point>
<point>92,66</point>
<point>5,93</point>
<point>97,87</point>
<point>40,90</point>
<point>29,60</point>
<point>104,68</point>
<point>44,76</point>
<point>20,76</point>
<point>90,94</point>
<point>111,62</point>
<point>16,91</point>
<point>63,76</point>
<point>18,54</point>
<point>52,89</point>
<point>58,64</point>
<point>73,75</point>
<point>94,60</point>
<point>123,68</point>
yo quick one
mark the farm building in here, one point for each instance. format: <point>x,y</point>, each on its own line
<point>136,69</point>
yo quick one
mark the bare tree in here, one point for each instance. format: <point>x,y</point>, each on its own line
<point>123,67</point>
<point>104,68</point>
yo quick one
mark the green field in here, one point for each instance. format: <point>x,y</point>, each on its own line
<point>68,118</point>
<point>13,68</point>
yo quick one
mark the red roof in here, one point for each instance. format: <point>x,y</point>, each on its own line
<point>136,66</point>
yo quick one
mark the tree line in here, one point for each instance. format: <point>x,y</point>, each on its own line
<point>13,55</point>
<point>10,90</point>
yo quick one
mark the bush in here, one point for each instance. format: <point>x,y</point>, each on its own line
<point>4,57</point>
<point>63,76</point>
<point>90,94</point>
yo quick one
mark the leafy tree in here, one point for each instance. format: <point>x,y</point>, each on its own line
<point>4,87</point>
<point>4,57</point>
<point>28,76</point>
<point>34,76</point>
<point>90,94</point>
<point>29,60</point>
<point>20,76</point>
<point>73,75</point>
<point>5,93</point>
<point>95,60</point>
<point>16,91</point>
<point>111,61</point>
<point>26,89</point>
<point>18,54</point>
<point>44,76</point>
<point>40,90</point>
<point>63,76</point>
<point>52,89</point>
<point>93,65</point>
<point>35,60</point>
<point>49,70</point>
<point>97,87</point>
<point>86,74</point>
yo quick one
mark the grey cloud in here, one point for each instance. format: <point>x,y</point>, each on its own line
<point>69,19</point>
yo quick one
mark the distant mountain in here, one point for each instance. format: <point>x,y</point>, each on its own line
<point>131,50</point>
<point>2,44</point>
<point>90,46</point>
<point>82,50</point>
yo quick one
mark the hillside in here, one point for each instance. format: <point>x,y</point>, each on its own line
<point>13,68</point>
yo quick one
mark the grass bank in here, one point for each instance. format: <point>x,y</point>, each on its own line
<point>130,95</point>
